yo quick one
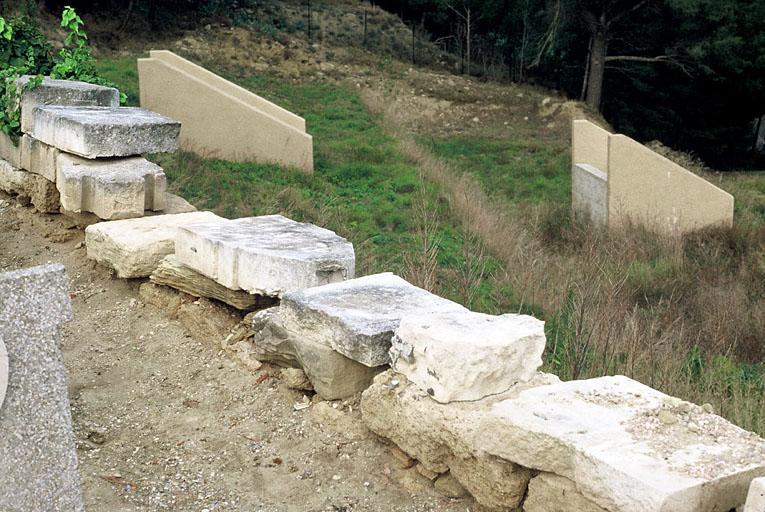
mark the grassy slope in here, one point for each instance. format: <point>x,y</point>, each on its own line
<point>363,187</point>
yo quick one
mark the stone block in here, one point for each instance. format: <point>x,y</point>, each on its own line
<point>63,92</point>
<point>112,189</point>
<point>9,151</point>
<point>755,498</point>
<point>461,355</point>
<point>30,188</point>
<point>170,272</point>
<point>331,374</point>
<point>267,255</point>
<point>97,132</point>
<point>443,436</point>
<point>38,158</point>
<point>357,318</point>
<point>626,447</point>
<point>135,247</point>
<point>39,459</point>
<point>553,493</point>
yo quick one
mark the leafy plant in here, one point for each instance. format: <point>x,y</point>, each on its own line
<point>24,50</point>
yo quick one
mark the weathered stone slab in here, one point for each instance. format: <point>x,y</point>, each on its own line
<point>357,317</point>
<point>112,189</point>
<point>38,157</point>
<point>38,468</point>
<point>443,436</point>
<point>332,375</point>
<point>97,132</point>
<point>627,447</point>
<point>755,498</point>
<point>135,247</point>
<point>63,92</point>
<point>553,493</point>
<point>9,151</point>
<point>170,272</point>
<point>30,188</point>
<point>267,255</point>
<point>461,355</point>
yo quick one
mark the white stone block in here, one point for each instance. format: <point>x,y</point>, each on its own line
<point>63,92</point>
<point>111,189</point>
<point>9,151</point>
<point>38,157</point>
<point>357,317</point>
<point>135,247</point>
<point>96,132</point>
<point>626,447</point>
<point>462,355</point>
<point>755,498</point>
<point>267,255</point>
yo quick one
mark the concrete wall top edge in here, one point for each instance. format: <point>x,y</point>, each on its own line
<point>243,94</point>
<point>225,94</point>
<point>664,161</point>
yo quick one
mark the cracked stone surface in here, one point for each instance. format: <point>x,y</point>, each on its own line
<point>98,132</point>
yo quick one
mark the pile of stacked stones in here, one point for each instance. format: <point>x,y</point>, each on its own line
<point>79,152</point>
<point>459,392</point>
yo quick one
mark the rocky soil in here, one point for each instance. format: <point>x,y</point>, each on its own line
<point>167,422</point>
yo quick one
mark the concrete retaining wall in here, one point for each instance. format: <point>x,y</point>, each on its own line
<point>642,186</point>
<point>219,118</point>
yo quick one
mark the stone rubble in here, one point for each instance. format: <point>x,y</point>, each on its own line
<point>268,255</point>
<point>459,356</point>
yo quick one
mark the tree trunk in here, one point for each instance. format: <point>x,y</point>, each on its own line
<point>597,68</point>
<point>309,20</point>
<point>468,41</point>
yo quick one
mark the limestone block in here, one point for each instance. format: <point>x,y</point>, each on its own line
<point>626,447</point>
<point>38,158</point>
<point>9,151</point>
<point>111,189</point>
<point>267,255</point>
<point>3,372</point>
<point>135,247</point>
<point>443,437</point>
<point>357,317</point>
<point>30,188</point>
<point>331,374</point>
<point>755,498</point>
<point>467,356</point>
<point>63,92</point>
<point>96,132</point>
<point>170,272</point>
<point>589,194</point>
<point>553,493</point>
<point>38,469</point>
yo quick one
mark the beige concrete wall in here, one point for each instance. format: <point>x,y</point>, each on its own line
<point>234,90</point>
<point>217,122</point>
<point>644,186</point>
<point>589,144</point>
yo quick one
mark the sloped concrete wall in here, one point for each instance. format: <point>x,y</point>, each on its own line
<point>642,186</point>
<point>589,145</point>
<point>646,187</point>
<point>220,119</point>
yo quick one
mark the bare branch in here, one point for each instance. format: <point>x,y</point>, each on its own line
<point>669,59</point>
<point>618,17</point>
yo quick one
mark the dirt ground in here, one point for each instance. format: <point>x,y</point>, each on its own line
<point>164,422</point>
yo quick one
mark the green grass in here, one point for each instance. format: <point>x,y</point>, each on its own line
<point>363,187</point>
<point>122,71</point>
<point>517,171</point>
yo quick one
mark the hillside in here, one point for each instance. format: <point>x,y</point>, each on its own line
<point>463,187</point>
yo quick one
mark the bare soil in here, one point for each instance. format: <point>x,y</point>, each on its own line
<point>164,422</point>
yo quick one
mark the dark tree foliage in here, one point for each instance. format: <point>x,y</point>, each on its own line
<point>690,73</point>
